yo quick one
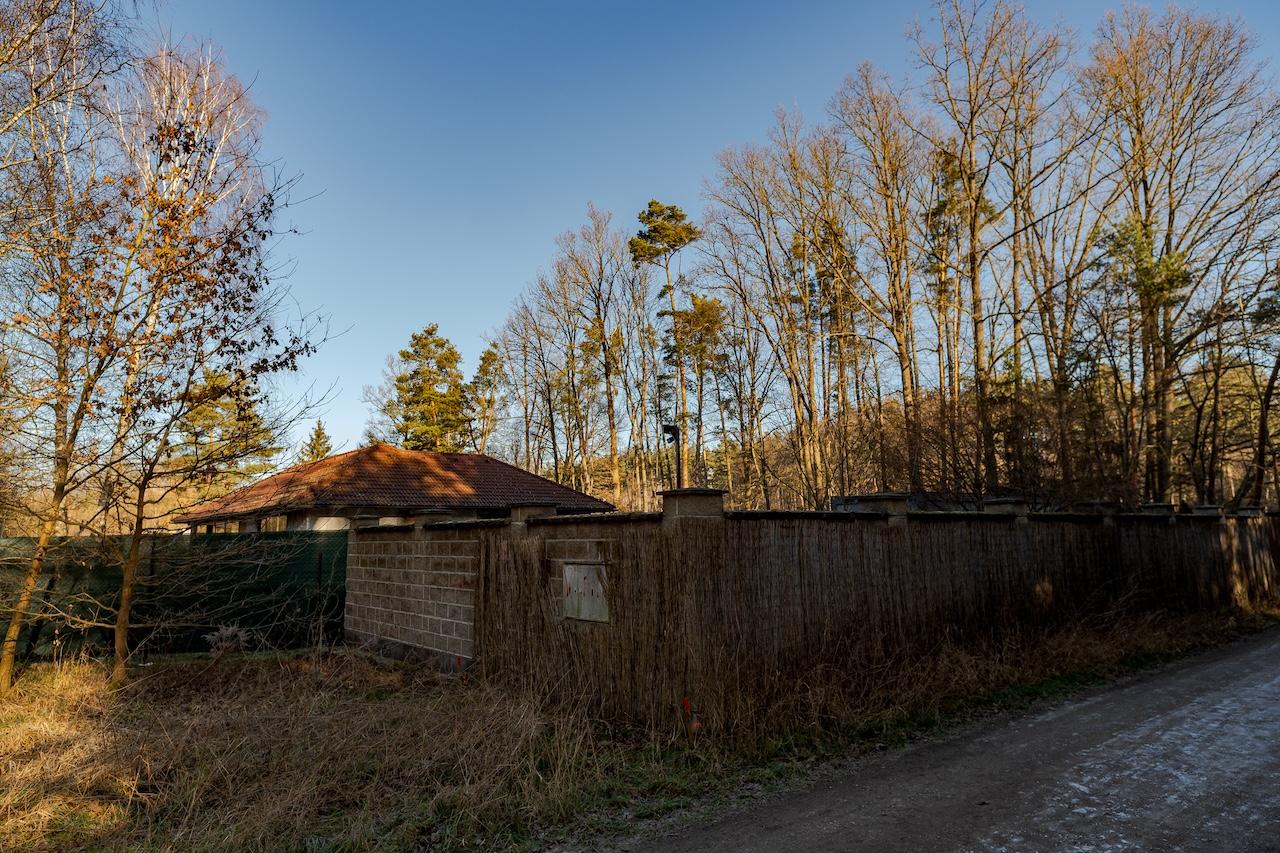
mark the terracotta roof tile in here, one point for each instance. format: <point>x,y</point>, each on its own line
<point>389,477</point>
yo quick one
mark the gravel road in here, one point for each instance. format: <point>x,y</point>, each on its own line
<point>1184,758</point>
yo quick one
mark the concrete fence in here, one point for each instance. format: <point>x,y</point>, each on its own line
<point>411,590</point>
<point>641,613</point>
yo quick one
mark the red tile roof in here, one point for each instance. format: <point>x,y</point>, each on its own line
<point>383,476</point>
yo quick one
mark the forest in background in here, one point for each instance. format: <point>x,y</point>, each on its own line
<point>1042,265</point>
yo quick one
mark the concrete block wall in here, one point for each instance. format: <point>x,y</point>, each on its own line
<point>713,606</point>
<point>412,590</point>
<point>578,543</point>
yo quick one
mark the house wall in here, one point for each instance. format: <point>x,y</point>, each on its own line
<point>309,519</point>
<point>326,521</point>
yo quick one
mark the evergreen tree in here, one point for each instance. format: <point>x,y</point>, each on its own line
<point>224,438</point>
<point>666,231</point>
<point>482,399</point>
<point>318,444</point>
<point>430,409</point>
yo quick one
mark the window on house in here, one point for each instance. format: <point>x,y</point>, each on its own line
<point>274,524</point>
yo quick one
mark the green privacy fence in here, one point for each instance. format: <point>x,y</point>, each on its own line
<point>278,590</point>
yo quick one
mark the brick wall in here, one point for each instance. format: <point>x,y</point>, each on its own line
<point>589,542</point>
<point>412,590</point>
<point>734,611</point>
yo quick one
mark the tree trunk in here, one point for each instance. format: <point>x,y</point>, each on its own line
<point>128,583</point>
<point>1255,482</point>
<point>9,649</point>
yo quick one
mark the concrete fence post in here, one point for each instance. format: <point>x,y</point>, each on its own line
<point>521,513</point>
<point>893,504</point>
<point>422,518</point>
<point>681,504</point>
<point>1016,507</point>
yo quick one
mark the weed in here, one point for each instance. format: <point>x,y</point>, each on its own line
<point>341,751</point>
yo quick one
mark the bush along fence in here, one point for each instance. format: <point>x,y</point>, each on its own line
<point>277,590</point>
<point>645,616</point>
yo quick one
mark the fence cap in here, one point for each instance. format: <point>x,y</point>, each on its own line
<point>1206,509</point>
<point>893,503</point>
<point>692,503</point>
<point>1005,505</point>
<point>1156,508</point>
<point>525,510</point>
<point>1100,506</point>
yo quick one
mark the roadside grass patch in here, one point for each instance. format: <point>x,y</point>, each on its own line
<point>337,751</point>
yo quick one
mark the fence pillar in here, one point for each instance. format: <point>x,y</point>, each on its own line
<point>1106,509</point>
<point>532,509</point>
<point>893,504</point>
<point>521,513</point>
<point>423,517</point>
<point>1016,507</point>
<point>678,504</point>
<point>1157,508</point>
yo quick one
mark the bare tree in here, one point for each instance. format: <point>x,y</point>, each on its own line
<point>63,328</point>
<point>191,247</point>
<point>1005,272</point>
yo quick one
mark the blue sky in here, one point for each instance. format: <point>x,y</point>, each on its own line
<point>441,147</point>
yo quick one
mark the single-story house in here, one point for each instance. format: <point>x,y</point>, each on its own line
<point>383,484</point>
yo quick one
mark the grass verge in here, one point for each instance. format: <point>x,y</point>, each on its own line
<point>337,751</point>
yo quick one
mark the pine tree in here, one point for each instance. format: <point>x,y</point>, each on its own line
<point>482,399</point>
<point>318,444</point>
<point>430,411</point>
<point>225,438</point>
<point>666,231</point>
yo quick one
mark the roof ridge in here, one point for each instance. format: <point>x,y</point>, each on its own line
<point>331,456</point>
<point>529,473</point>
<point>433,452</point>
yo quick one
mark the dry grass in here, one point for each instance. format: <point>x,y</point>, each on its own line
<point>897,699</point>
<point>341,752</point>
<point>327,753</point>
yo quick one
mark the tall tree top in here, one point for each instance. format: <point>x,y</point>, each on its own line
<point>430,405</point>
<point>667,230</point>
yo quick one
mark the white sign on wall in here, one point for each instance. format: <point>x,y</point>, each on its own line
<point>584,592</point>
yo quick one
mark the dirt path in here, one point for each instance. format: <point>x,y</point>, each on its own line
<point>1187,758</point>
